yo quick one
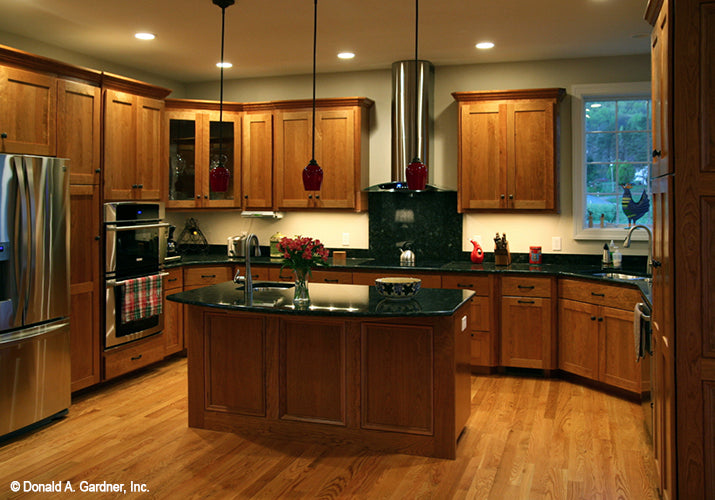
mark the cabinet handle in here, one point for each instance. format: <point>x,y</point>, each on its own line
<point>525,301</point>
<point>525,287</point>
<point>656,153</point>
<point>330,280</point>
<point>135,358</point>
<point>598,294</point>
<point>465,285</point>
<point>208,275</point>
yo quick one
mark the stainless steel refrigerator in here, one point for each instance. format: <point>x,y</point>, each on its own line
<point>34,291</point>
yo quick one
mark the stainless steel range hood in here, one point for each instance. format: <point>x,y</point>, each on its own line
<point>412,121</point>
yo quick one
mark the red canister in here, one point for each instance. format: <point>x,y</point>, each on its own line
<point>534,255</point>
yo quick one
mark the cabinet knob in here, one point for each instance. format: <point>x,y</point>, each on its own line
<point>656,153</point>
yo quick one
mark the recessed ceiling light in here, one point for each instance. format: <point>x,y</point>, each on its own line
<point>145,36</point>
<point>224,65</point>
<point>485,45</point>
<point>346,55</point>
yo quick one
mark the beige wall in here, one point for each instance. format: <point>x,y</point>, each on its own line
<point>522,230</point>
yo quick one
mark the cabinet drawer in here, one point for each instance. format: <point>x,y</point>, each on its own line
<point>206,275</point>
<point>526,286</point>
<point>479,284</point>
<point>138,354</point>
<point>601,294</point>
<point>174,280</point>
<point>368,278</point>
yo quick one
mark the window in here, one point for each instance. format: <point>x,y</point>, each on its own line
<point>611,159</point>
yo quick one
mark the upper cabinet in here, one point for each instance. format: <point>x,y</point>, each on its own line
<point>508,149</point>
<point>341,149</point>
<point>133,117</point>
<point>203,163</point>
<point>28,112</point>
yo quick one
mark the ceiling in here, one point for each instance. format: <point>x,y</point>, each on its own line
<point>274,37</point>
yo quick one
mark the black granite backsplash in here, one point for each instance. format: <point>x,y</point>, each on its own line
<point>428,219</point>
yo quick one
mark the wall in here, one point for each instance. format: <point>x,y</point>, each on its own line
<point>522,230</point>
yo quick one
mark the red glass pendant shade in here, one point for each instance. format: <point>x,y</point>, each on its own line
<point>416,175</point>
<point>219,178</point>
<point>312,176</point>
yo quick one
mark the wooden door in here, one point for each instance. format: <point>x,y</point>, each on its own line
<point>149,159</point>
<point>482,159</point>
<point>28,112</point>
<point>85,278</point>
<point>526,332</point>
<point>257,164</point>
<point>293,135</point>
<point>78,129</point>
<point>120,129</point>
<point>530,154</point>
<point>617,358</point>
<point>335,152</point>
<point>578,338</point>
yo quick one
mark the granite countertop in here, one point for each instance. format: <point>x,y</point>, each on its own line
<point>573,267</point>
<point>326,300</point>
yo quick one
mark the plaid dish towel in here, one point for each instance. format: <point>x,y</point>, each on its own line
<point>142,298</point>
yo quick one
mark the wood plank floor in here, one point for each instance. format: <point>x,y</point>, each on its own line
<point>526,438</point>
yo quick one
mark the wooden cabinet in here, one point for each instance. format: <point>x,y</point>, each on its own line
<point>527,328</point>
<point>483,342</point>
<point>257,160</point>
<point>173,313</point>
<point>508,150</point>
<point>341,148</point>
<point>596,340</point>
<point>85,285</point>
<point>200,276</point>
<point>132,145</point>
<point>78,130</point>
<point>28,112</point>
<point>197,139</point>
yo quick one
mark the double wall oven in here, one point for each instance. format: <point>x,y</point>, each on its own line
<point>135,246</point>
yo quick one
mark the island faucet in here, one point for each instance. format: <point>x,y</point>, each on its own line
<point>627,244</point>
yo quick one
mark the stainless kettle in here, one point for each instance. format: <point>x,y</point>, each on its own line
<point>407,257</point>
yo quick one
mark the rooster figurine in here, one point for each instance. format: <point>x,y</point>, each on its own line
<point>634,210</point>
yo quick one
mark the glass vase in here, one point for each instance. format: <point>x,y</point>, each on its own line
<point>301,299</point>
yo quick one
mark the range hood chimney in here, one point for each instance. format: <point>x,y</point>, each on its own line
<point>412,123</point>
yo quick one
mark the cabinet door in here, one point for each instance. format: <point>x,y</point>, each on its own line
<point>257,165</point>
<point>28,112</point>
<point>578,338</point>
<point>149,149</point>
<point>482,162</point>
<point>78,130</point>
<point>120,129</point>
<point>526,332</point>
<point>84,285</point>
<point>531,154</point>
<point>617,358</point>
<point>335,147</point>
<point>293,136</point>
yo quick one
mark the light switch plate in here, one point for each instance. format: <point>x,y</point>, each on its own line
<point>556,243</point>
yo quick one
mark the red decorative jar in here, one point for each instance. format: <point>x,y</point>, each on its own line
<point>416,174</point>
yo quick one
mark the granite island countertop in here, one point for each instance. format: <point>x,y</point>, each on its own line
<point>326,300</point>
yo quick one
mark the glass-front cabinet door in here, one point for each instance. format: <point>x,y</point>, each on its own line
<point>203,171</point>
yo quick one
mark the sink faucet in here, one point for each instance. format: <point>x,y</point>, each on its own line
<point>627,244</point>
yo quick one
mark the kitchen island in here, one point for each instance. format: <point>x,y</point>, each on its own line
<point>352,368</point>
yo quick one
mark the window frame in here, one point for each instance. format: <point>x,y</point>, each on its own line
<point>578,93</point>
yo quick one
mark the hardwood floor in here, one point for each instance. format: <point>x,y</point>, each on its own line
<point>526,438</point>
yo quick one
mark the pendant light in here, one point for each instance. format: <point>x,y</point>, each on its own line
<point>312,173</point>
<point>416,172</point>
<point>219,175</point>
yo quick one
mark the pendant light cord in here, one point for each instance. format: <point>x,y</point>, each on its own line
<point>315,42</point>
<point>220,105</point>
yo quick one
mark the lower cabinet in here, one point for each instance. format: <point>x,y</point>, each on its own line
<point>527,327</point>
<point>596,341</point>
<point>173,313</point>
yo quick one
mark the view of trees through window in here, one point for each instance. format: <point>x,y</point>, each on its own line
<point>617,158</point>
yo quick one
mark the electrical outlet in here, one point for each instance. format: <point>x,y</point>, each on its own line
<point>346,239</point>
<point>556,243</point>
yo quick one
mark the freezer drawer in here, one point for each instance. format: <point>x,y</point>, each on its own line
<point>34,374</point>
